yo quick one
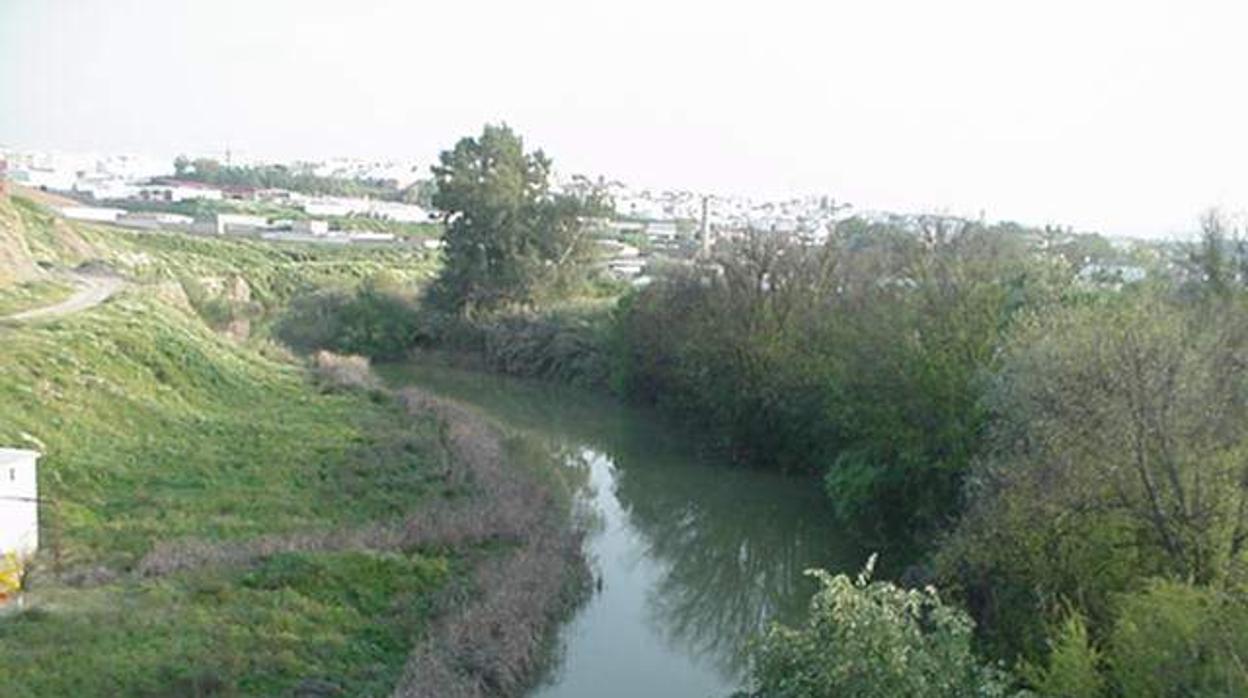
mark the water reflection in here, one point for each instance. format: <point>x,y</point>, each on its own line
<point>734,545</point>
<point>695,555</point>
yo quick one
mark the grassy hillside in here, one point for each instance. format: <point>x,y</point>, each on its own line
<point>34,243</point>
<point>154,427</point>
<point>159,434</point>
<point>33,293</point>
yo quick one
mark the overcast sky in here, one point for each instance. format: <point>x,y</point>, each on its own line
<point>1122,116</point>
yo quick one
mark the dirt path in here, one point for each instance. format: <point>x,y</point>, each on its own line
<point>92,290</point>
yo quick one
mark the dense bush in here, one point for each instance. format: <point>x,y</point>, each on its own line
<point>1176,639</point>
<point>859,360</point>
<point>339,372</point>
<point>869,638</point>
<point>566,348</point>
<point>1167,639</point>
<point>569,344</point>
<point>1115,454</point>
<point>378,320</point>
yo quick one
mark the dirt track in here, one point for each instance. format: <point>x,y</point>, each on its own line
<point>92,290</point>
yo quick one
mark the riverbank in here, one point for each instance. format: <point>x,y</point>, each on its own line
<point>222,518</point>
<point>693,554</point>
<point>167,450</point>
<point>1039,435</point>
<point>497,636</point>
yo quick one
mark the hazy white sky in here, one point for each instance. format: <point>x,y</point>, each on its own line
<point>1127,116</point>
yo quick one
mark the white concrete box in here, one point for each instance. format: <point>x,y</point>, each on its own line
<point>19,502</point>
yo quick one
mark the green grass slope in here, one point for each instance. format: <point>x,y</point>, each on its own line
<point>157,429</point>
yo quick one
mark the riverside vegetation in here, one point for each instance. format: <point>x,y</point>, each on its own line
<point>222,518</point>
<point>1062,456</point>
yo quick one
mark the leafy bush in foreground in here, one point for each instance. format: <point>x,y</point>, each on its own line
<point>866,638</point>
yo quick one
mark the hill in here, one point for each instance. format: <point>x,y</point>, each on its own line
<point>218,516</point>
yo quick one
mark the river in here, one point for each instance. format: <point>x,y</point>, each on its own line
<point>695,555</point>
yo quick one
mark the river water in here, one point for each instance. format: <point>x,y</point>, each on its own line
<point>695,555</point>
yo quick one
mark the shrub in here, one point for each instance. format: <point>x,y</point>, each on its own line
<point>565,348</point>
<point>12,572</point>
<point>377,321</point>
<point>1114,454</point>
<point>866,638</point>
<point>860,360</point>
<point>1073,667</point>
<point>1177,639</point>
<point>338,371</point>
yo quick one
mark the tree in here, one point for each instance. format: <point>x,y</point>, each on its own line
<point>510,239</point>
<point>1220,258</point>
<point>1116,452</point>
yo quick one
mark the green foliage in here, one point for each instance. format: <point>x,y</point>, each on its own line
<point>1073,668</point>
<point>154,427</point>
<point>340,620</point>
<point>870,638</point>
<point>207,209</point>
<point>860,360</point>
<point>175,456</point>
<point>379,320</point>
<point>1173,639</point>
<point>566,345</point>
<point>15,298</point>
<point>1220,260</point>
<point>298,179</point>
<point>423,231</point>
<point>510,240</point>
<point>1116,453</point>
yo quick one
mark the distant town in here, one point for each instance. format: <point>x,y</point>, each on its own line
<point>343,201</point>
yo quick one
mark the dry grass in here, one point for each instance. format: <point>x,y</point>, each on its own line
<point>494,644</point>
<point>343,371</point>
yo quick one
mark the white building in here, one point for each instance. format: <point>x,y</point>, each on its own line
<point>366,236</point>
<point>310,227</point>
<point>240,223</point>
<point>153,220</point>
<point>327,208</point>
<point>181,191</point>
<point>103,187</point>
<point>19,502</point>
<point>401,213</point>
<point>41,178</point>
<point>92,213</point>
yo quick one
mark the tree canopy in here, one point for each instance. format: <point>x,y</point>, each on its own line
<point>510,238</point>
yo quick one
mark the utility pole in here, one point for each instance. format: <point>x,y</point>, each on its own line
<point>705,233</point>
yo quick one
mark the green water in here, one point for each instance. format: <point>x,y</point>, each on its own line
<point>695,555</point>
